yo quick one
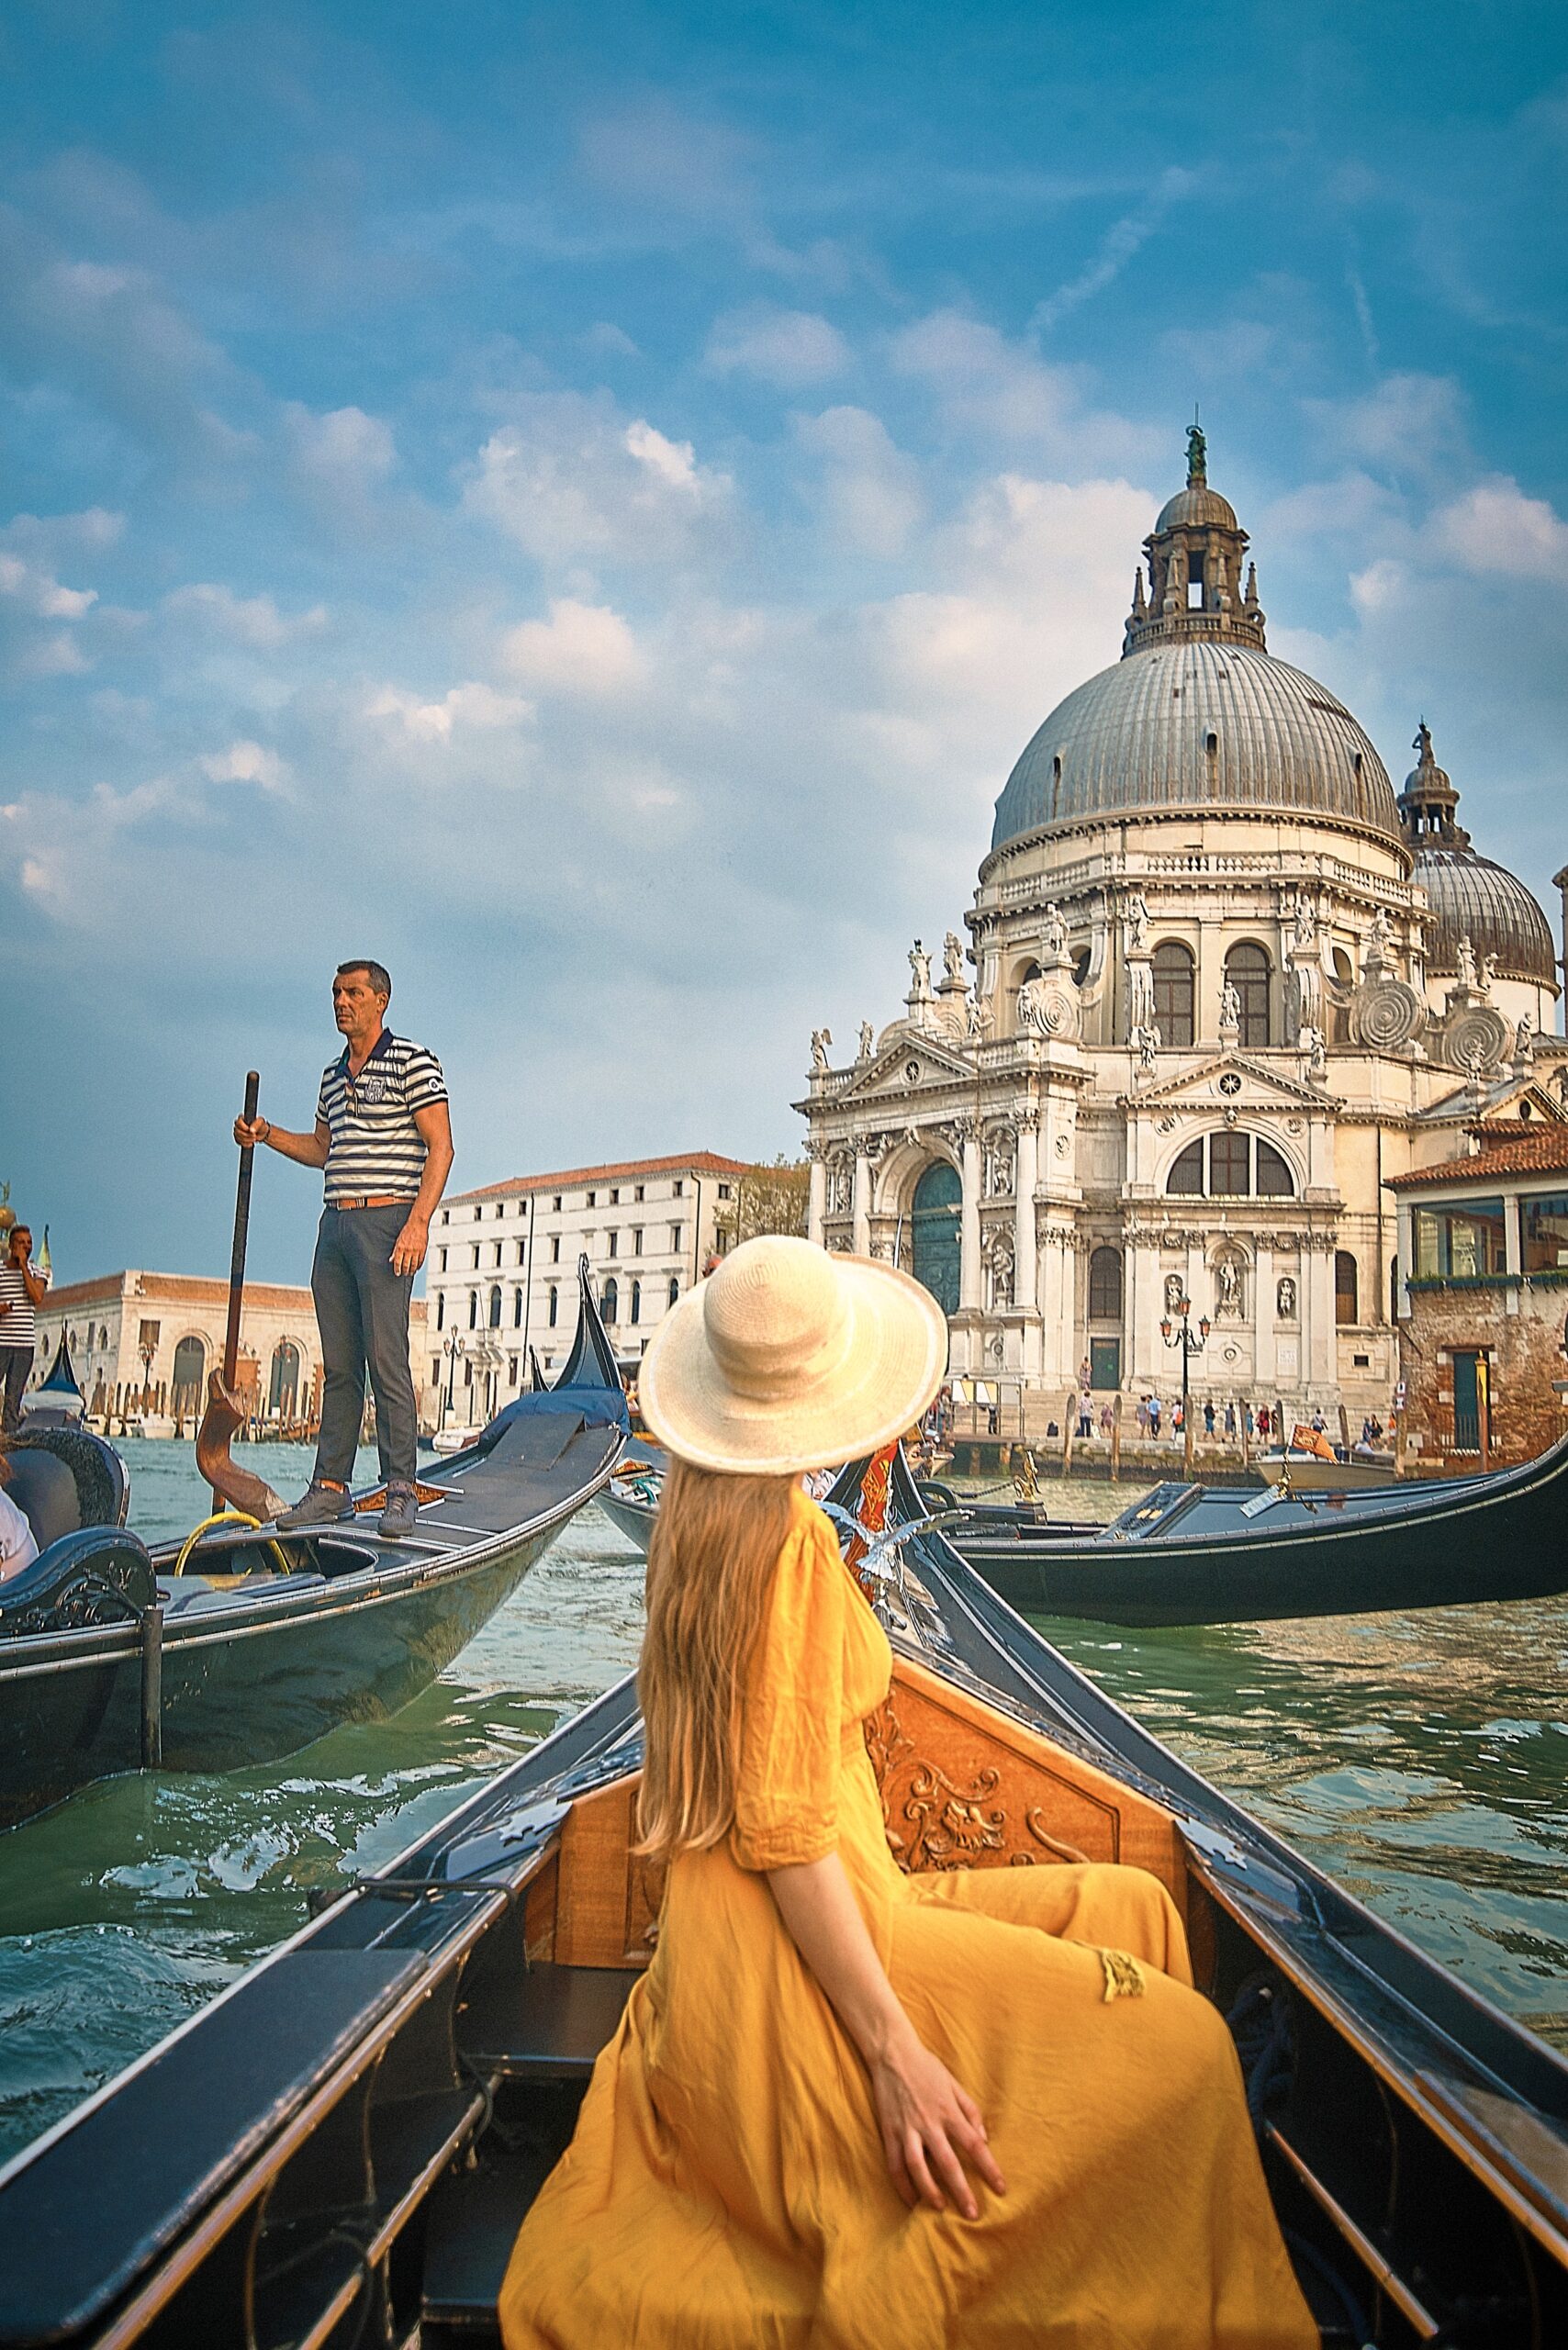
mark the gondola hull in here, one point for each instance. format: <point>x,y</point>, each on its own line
<point>281,1639</point>
<point>1440,1544</point>
<point>238,1693</point>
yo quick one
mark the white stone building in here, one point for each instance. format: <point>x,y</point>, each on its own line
<point>503,1273</point>
<point>1221,983</point>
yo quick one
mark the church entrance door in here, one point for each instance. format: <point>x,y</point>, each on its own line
<point>933,1233</point>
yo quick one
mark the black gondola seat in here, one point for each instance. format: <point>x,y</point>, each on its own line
<point>103,1489</point>
<point>544,2027</point>
<point>45,1492</point>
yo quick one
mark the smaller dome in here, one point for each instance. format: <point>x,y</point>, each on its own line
<point>1471,897</point>
<point>1198,508</point>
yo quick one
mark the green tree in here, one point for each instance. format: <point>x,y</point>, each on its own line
<point>767,1198</point>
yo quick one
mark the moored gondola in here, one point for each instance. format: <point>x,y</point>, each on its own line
<point>243,1644</point>
<point>346,2141</point>
<point>1193,1554</point>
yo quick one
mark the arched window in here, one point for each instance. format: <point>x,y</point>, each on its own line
<point>1230,1165</point>
<point>473,1309</point>
<point>1173,971</point>
<point>283,1387</point>
<point>933,1233</point>
<point>1347,1288</point>
<point>635,1312</point>
<point>517,1309</point>
<point>441,1309</point>
<point>1186,1175</point>
<point>675,1289</point>
<point>555,1307</point>
<point>1106,1285</point>
<point>1247,968</point>
<point>609,1302</point>
<point>190,1369</point>
<point>495,1307</point>
<point>1274,1180</point>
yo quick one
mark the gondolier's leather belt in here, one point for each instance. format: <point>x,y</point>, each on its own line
<point>374,1200</point>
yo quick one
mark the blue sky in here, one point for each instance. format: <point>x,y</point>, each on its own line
<point>588,505</point>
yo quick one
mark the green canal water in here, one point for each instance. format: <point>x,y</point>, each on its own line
<point>1422,1760</point>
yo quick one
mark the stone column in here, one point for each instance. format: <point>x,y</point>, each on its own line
<point>970,1287</point>
<point>1404,1248</point>
<point>1319,1352</point>
<point>1025,1247</point>
<point>862,1227</point>
<point>1263,1321</point>
<point>816,1210</point>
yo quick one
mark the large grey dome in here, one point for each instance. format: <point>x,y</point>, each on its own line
<point>1471,897</point>
<point>1203,725</point>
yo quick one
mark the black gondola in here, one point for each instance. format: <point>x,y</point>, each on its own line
<point>346,2140</point>
<point>245,1644</point>
<point>1192,1554</point>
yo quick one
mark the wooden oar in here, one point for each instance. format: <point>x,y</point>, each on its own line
<point>224,1416</point>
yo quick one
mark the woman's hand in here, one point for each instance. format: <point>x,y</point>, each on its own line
<point>931,2127</point>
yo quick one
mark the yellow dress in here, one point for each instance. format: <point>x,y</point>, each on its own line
<point>726,2183</point>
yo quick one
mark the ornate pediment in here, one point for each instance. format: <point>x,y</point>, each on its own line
<point>1230,1081</point>
<point>903,1067</point>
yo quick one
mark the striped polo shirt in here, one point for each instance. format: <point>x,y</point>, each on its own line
<point>18,1328</point>
<point>376,1150</point>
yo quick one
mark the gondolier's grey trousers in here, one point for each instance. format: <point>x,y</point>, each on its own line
<point>362,1312</point>
<point>16,1362</point>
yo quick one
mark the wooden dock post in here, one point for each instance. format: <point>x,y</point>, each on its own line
<point>1116,1439</point>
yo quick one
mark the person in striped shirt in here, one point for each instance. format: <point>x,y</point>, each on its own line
<point>383,1133</point>
<point>22,1288</point>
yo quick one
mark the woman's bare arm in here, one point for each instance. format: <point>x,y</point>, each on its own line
<point>930,2125</point>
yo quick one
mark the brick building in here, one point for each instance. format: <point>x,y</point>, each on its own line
<point>1483,1290</point>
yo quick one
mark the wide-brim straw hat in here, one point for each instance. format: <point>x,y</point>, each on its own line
<point>789,1358</point>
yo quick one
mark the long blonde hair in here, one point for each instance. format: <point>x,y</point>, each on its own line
<point>711,1562</point>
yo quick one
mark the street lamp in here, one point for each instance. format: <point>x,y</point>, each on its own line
<point>1190,1347</point>
<point>452,1347</point>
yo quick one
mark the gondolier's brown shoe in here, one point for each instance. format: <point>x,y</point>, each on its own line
<point>401,1514</point>
<point>323,1505</point>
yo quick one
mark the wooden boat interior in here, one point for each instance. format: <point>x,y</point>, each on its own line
<point>348,2140</point>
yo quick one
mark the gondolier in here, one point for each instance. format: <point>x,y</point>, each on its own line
<point>22,1287</point>
<point>382,1132</point>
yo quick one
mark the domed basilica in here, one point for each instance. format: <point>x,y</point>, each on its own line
<point>1222,983</point>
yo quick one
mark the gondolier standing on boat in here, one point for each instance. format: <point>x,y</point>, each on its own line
<point>382,1132</point>
<point>22,1287</point>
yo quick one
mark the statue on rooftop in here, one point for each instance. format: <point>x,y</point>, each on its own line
<point>867,1040</point>
<point>1197,457</point>
<point>919,964</point>
<point>953,960</point>
<point>820,1039</point>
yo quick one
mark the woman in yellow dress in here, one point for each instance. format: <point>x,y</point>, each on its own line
<point>848,2109</point>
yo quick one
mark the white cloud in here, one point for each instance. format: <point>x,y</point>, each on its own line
<point>341,447</point>
<point>609,340</point>
<point>580,649</point>
<point>40,594</point>
<point>471,706</point>
<point>1005,391</point>
<point>1117,248</point>
<point>1409,423</point>
<point>250,619</point>
<point>246,762</point>
<point>867,491</point>
<point>1495,528</point>
<point>788,348</point>
<point>572,480</point>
